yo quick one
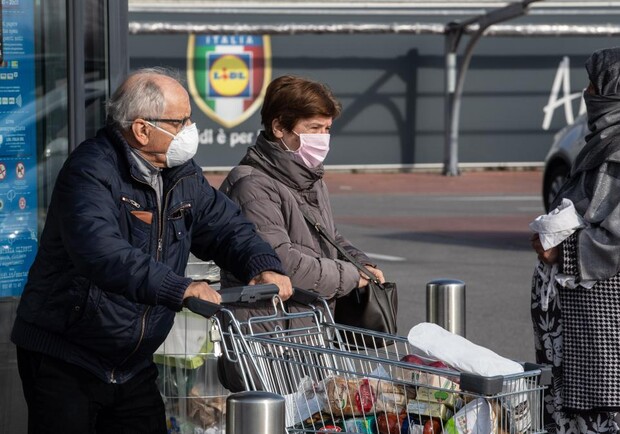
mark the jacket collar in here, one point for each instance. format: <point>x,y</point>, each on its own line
<point>125,153</point>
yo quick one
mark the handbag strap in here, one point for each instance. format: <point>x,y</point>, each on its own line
<point>341,250</point>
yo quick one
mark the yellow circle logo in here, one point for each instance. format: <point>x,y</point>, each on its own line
<point>229,75</point>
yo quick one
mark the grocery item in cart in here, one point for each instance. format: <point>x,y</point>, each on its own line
<point>319,422</point>
<point>391,401</point>
<point>436,388</point>
<point>306,402</point>
<point>390,423</point>
<point>414,425</point>
<point>349,397</point>
<point>208,412</point>
<point>330,428</point>
<point>431,340</point>
<point>390,396</point>
<point>362,425</point>
<point>429,409</point>
<point>476,417</point>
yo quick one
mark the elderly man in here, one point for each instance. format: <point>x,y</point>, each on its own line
<point>127,208</point>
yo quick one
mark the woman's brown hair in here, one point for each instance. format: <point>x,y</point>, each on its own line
<point>290,99</point>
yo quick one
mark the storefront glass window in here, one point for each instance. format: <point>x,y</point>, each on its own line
<point>35,127</point>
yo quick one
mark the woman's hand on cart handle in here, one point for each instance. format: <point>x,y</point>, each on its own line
<point>202,291</point>
<point>281,281</point>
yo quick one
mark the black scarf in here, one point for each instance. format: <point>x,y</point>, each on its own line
<point>603,68</point>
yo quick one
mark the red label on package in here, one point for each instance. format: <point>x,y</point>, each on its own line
<point>364,398</point>
<point>332,428</point>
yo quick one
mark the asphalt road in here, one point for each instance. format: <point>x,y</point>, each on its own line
<point>478,235</point>
<point>474,227</point>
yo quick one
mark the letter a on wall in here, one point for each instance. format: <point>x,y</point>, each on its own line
<point>227,75</point>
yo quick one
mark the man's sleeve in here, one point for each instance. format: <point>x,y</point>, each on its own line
<point>223,234</point>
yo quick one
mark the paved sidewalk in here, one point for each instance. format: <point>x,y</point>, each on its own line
<point>483,182</point>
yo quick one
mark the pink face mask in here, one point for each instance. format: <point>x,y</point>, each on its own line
<point>313,149</point>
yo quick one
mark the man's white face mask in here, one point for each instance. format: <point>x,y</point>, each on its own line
<point>183,146</point>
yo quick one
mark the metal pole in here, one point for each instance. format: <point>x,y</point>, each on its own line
<point>255,413</point>
<point>454,92</point>
<point>445,304</point>
<point>455,106</point>
<point>453,36</point>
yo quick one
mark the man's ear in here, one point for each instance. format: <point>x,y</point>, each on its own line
<point>140,132</point>
<point>278,130</point>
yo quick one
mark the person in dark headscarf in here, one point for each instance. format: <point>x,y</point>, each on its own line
<point>579,334</point>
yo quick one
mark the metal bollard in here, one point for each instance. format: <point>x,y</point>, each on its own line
<point>255,413</point>
<point>445,304</point>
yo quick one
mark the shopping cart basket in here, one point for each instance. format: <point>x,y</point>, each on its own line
<point>332,384</point>
<point>194,398</point>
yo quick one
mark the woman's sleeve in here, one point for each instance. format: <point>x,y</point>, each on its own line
<point>353,251</point>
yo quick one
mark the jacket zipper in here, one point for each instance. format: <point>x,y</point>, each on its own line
<point>131,201</point>
<point>182,208</point>
<point>158,255</point>
<point>160,241</point>
<point>142,330</point>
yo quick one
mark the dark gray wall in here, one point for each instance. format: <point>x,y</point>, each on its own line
<point>391,87</point>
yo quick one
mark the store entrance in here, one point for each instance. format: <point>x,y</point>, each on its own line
<point>59,60</point>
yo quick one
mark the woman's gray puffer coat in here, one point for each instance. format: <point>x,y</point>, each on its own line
<point>271,188</point>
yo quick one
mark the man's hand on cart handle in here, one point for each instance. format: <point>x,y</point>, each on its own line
<point>203,291</point>
<point>282,282</point>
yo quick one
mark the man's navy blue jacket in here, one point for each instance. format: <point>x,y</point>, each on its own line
<point>108,276</point>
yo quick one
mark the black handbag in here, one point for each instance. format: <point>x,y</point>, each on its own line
<point>373,307</point>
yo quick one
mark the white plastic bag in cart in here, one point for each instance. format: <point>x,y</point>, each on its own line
<point>476,417</point>
<point>309,399</point>
<point>187,340</point>
<point>433,341</point>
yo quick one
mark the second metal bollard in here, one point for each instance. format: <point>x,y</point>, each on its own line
<point>445,304</point>
<point>255,413</point>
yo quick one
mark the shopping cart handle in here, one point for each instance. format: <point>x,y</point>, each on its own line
<point>303,296</point>
<point>248,294</point>
<point>545,372</point>
<point>202,307</point>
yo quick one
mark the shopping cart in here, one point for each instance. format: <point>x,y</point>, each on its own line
<point>332,382</point>
<point>194,398</point>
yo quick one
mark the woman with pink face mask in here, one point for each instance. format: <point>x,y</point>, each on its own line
<point>278,180</point>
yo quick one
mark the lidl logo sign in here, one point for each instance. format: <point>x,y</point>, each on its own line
<point>228,75</point>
